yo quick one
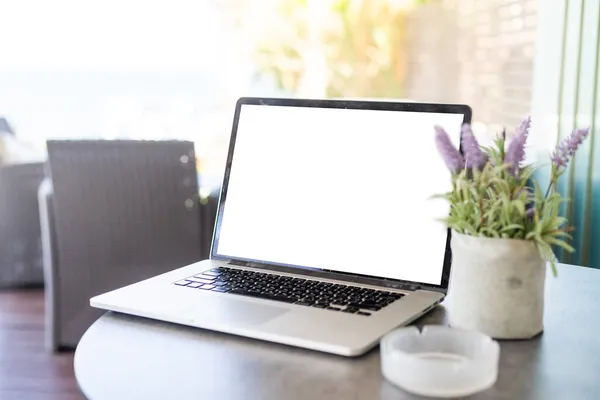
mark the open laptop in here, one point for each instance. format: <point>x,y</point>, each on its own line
<point>326,234</point>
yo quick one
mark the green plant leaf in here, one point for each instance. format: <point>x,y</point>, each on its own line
<point>445,196</point>
<point>559,243</point>
<point>563,234</point>
<point>511,227</point>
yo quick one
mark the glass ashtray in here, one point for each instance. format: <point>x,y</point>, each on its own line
<point>439,361</point>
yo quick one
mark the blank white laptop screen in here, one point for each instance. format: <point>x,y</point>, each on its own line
<point>338,189</point>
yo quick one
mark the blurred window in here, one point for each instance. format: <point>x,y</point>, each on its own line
<point>173,69</point>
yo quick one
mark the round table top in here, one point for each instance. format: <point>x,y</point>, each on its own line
<point>127,357</point>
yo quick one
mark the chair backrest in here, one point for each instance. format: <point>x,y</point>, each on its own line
<point>20,242</point>
<point>124,211</point>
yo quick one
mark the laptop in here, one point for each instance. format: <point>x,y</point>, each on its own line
<point>326,235</point>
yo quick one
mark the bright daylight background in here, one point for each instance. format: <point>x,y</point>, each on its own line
<point>159,69</point>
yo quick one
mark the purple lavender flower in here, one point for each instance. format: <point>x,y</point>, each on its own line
<point>516,148</point>
<point>449,153</point>
<point>529,213</point>
<point>474,156</point>
<point>568,146</point>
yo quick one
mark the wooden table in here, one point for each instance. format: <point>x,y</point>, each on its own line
<point>125,357</point>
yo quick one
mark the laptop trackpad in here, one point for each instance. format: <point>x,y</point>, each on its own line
<point>239,312</point>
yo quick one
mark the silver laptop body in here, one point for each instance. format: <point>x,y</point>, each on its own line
<point>326,235</point>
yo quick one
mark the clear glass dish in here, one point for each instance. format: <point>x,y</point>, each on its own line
<point>440,361</point>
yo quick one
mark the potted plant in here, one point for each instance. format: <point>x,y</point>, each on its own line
<point>503,226</point>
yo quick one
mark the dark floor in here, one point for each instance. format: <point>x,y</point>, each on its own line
<point>27,370</point>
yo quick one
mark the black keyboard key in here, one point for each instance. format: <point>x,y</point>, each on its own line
<point>333,308</point>
<point>195,285</point>
<point>363,313</point>
<point>369,303</point>
<point>319,306</point>
<point>349,310</point>
<point>259,295</point>
<point>371,307</point>
<point>182,283</point>
<point>304,303</point>
<point>220,289</point>
<point>338,303</point>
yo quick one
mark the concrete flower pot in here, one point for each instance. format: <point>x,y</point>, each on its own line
<point>497,286</point>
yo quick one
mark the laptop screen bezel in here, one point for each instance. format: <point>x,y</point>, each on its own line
<point>340,104</point>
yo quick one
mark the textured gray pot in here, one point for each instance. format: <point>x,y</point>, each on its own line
<point>497,286</point>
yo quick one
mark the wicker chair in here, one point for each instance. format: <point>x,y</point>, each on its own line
<point>20,241</point>
<point>121,211</point>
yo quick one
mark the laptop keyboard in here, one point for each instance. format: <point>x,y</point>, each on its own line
<point>304,292</point>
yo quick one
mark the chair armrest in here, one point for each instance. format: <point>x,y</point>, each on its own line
<point>50,263</point>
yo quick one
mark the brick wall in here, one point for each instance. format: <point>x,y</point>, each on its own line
<point>476,52</point>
